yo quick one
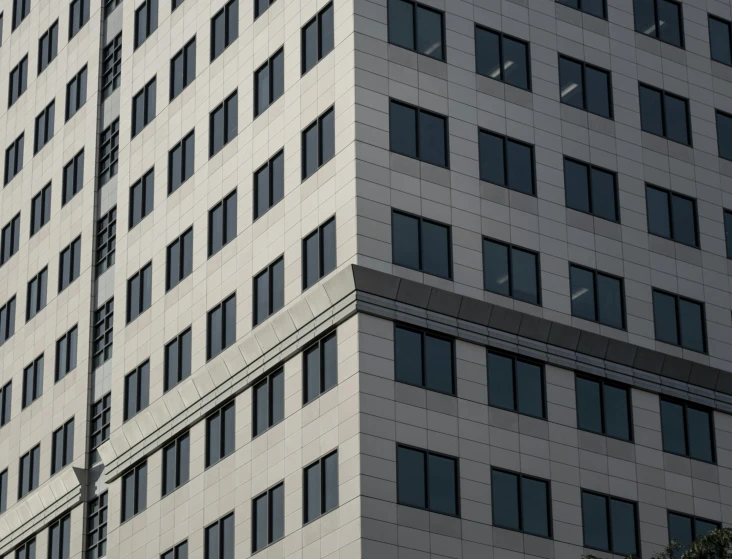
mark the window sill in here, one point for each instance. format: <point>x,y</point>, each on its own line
<point>517,412</point>
<point>319,396</point>
<point>433,390</point>
<point>430,511</point>
<point>322,515</point>
<point>261,549</point>
<point>712,463</point>
<point>267,430</point>
<point>524,532</point>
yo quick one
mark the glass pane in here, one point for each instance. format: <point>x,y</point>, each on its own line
<point>676,119</point>
<point>491,159</point>
<point>411,481</point>
<point>262,90</point>
<point>702,528</point>
<point>576,186</point>
<point>603,194</point>
<point>650,108</point>
<point>310,46</point>
<point>535,507</point>
<point>672,428</point>
<point>609,301</point>
<point>495,268</point>
<point>174,264</point>
<point>520,167</point>
<point>524,278</point>
<point>277,169</point>
<point>261,182</point>
<point>326,31</point>
<point>261,408</point>
<point>260,523</point>
<point>278,75</point>
<point>691,322</point>
<point>664,318</point>
<point>645,17</point>
<point>429,33</point>
<point>442,488</point>
<point>312,492</point>
<point>278,285</point>
<point>500,381</point>
<point>327,136</point>
<point>185,354</point>
<point>169,454</point>
<point>184,458</point>
<point>594,7</point>
<point>213,438</point>
<point>262,303</point>
<point>408,356</point>
<point>330,464</point>
<point>401,24</point>
<point>530,390</point>
<point>310,157</point>
<point>719,38</point>
<point>402,128</point>
<point>570,83</point>
<point>312,373</point>
<point>594,521</point>
<point>622,516</point>
<point>683,217</point>
<point>330,362</point>
<point>589,405</point>
<point>435,249</point>
<point>432,134</point>
<point>598,92</point>
<point>669,22</point>
<point>724,136</point>
<point>617,415</point>
<point>405,240</point>
<point>189,151</point>
<point>700,435</point>
<point>229,426</point>
<point>488,53</point>
<point>582,287</point>
<point>505,491</point>
<point>232,21</point>
<point>328,240</point>
<point>657,205</point>
<point>515,63</point>
<point>438,365</point>
<point>680,529</point>
<point>218,35</point>
<point>311,256</point>
<point>277,397</point>
<point>277,503</point>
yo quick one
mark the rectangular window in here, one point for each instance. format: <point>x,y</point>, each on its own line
<point>62,452</point>
<point>99,425</point>
<point>603,407</point>
<point>27,550</point>
<point>223,124</point>
<point>728,231</point>
<point>139,292</point>
<point>178,359</point>
<point>321,487</point>
<point>111,66</point>
<point>609,524</point>
<point>96,527</point>
<point>109,153</point>
<point>269,402</point>
<point>317,38</point>
<point>180,162</point>
<point>269,291</point>
<point>687,430</point>
<point>660,19</point>
<point>33,381</point>
<point>597,8</point>
<point>318,143</point>
<point>180,551</point>
<point>179,261</point>
<point>685,529</point>
<point>268,517</point>
<point>146,21</point>
<point>21,9</point>
<point>59,538</point>
<point>427,480</point>
<point>421,244</point>
<point>103,333</point>
<point>176,464</point>
<point>511,271</point>
<point>134,491</point>
<point>143,107</point>
<point>37,290</point>
<point>423,359</point>
<point>47,47</point>
<point>665,114</point>
<point>6,397</point>
<point>591,189</point>
<point>40,209</point>
<point>106,241</point>
<point>319,253</point>
<point>720,42</point>
<point>219,539</point>
<point>69,264</point>
<point>269,82</point>
<point>260,6</point>
<point>7,320</point>
<point>221,327</point>
<point>269,184</point>
<point>525,503</point>
<point>724,135</point>
<point>73,179</point>
<point>183,69</point>
<point>516,384</point>
<point>3,491</point>
<point>44,127</point>
<point>66,353</point>
<point>141,198</point>
<point>597,297</point>
<point>585,87</point>
<point>220,429</point>
<point>14,159</point>
<point>28,471</point>
<point>320,367</point>
<point>672,216</point>
<point>506,162</point>
<point>224,28</point>
<point>502,57</point>
<point>78,16</point>
<point>76,92</point>
<point>417,133</point>
<point>10,240</point>
<point>18,81</point>
<point>416,27</point>
<point>137,390</point>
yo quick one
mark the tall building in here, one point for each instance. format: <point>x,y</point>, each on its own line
<point>379,279</point>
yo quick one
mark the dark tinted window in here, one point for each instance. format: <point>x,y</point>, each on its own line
<point>590,189</point>
<point>728,231</point>
<point>222,224</point>
<point>69,264</point>
<point>180,162</point>
<point>417,133</point>
<point>7,320</point>
<point>178,359</point>
<point>28,471</point>
<point>220,430</point>
<point>6,397</point>
<point>268,518</point>
<point>73,177</point>
<point>59,538</point>
<point>318,143</point>
<point>595,8</point>
<point>269,402</point>
<point>221,327</point>
<point>317,38</point>
<point>664,114</point>
<point>137,390</point>
<point>139,293</point>
<point>183,69</point>
<point>146,21</point>
<point>421,244</point>
<point>597,297</point>
<point>62,450</point>
<point>109,153</point>
<point>112,65</point>
<point>27,550</point>
<point>525,503</point>
<point>37,294</point>
<point>134,491</point>
<point>103,333</point>
<point>3,490</point>
<point>603,408</point>
<point>40,209</point>
<point>687,430</point>
<point>44,127</point>
<point>585,87</point>
<point>427,480</point>
<point>18,81</point>
<point>223,124</point>
<point>66,353</point>
<point>660,19</point>
<point>180,551</point>
<point>671,215</point>
<point>10,240</point>
<point>724,135</point>
<point>14,158</point>
<point>143,107</point>
<point>141,198</point>
<point>321,487</point>
<point>76,92</point>
<point>685,529</point>
<point>33,381</point>
<point>424,360</point>
<point>511,271</point>
<point>179,259</point>
<point>269,184</point>
<point>719,40</point>
<point>319,253</point>
<point>515,384</point>
<point>416,27</point>
<point>219,539</point>
<point>176,463</point>
<point>269,82</point>
<point>609,524</point>
<point>269,291</point>
<point>506,162</point>
<point>78,16</point>
<point>320,367</point>
<point>502,57</point>
<point>679,321</point>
